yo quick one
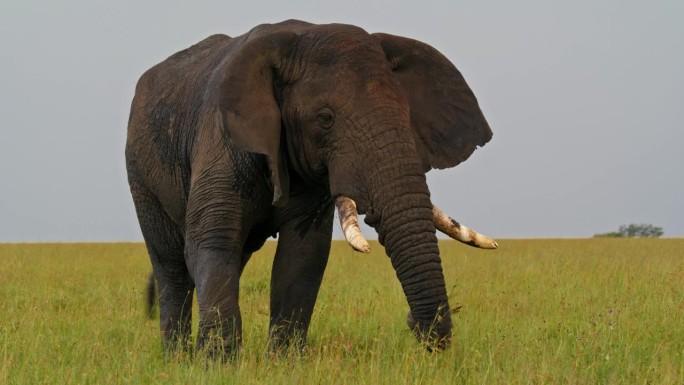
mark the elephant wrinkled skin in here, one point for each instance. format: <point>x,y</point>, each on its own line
<point>237,139</point>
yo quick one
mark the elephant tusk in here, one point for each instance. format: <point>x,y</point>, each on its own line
<point>460,232</point>
<point>349,221</point>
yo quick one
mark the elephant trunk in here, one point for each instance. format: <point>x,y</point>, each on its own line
<point>402,215</point>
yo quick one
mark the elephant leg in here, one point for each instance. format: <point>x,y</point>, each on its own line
<point>151,302</point>
<point>300,260</point>
<point>217,274</point>
<point>165,247</point>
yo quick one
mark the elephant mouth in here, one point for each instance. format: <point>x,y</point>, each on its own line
<point>349,221</point>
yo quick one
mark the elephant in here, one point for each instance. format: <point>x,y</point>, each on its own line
<point>235,140</point>
<point>150,296</point>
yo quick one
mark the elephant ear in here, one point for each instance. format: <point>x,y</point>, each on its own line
<point>247,107</point>
<point>446,119</point>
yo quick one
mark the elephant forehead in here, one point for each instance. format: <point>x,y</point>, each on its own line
<point>356,71</point>
<point>340,45</point>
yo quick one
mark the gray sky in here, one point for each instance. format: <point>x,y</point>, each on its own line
<point>585,99</point>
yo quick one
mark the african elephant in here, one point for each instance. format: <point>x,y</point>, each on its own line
<point>237,139</point>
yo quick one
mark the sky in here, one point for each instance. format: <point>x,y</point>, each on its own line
<point>584,97</point>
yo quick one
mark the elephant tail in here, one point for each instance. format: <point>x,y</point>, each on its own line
<point>151,297</point>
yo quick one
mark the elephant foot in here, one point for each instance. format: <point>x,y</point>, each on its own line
<point>177,347</point>
<point>220,342</point>
<point>284,339</point>
<point>218,349</point>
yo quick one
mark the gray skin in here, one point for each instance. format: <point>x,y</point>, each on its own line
<point>234,140</point>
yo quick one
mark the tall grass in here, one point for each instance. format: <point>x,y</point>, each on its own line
<point>594,311</point>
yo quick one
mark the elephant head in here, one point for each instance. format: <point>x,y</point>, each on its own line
<point>366,116</point>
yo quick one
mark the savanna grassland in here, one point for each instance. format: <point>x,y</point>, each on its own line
<point>592,311</point>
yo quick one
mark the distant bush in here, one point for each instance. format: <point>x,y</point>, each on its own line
<point>634,231</point>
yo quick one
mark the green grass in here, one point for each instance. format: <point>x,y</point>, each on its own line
<point>593,311</point>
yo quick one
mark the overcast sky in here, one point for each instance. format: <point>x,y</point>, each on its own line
<point>585,99</point>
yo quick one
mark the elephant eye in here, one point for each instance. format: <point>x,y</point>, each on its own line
<point>326,118</point>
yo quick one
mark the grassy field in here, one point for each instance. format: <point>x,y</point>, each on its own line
<point>594,311</point>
